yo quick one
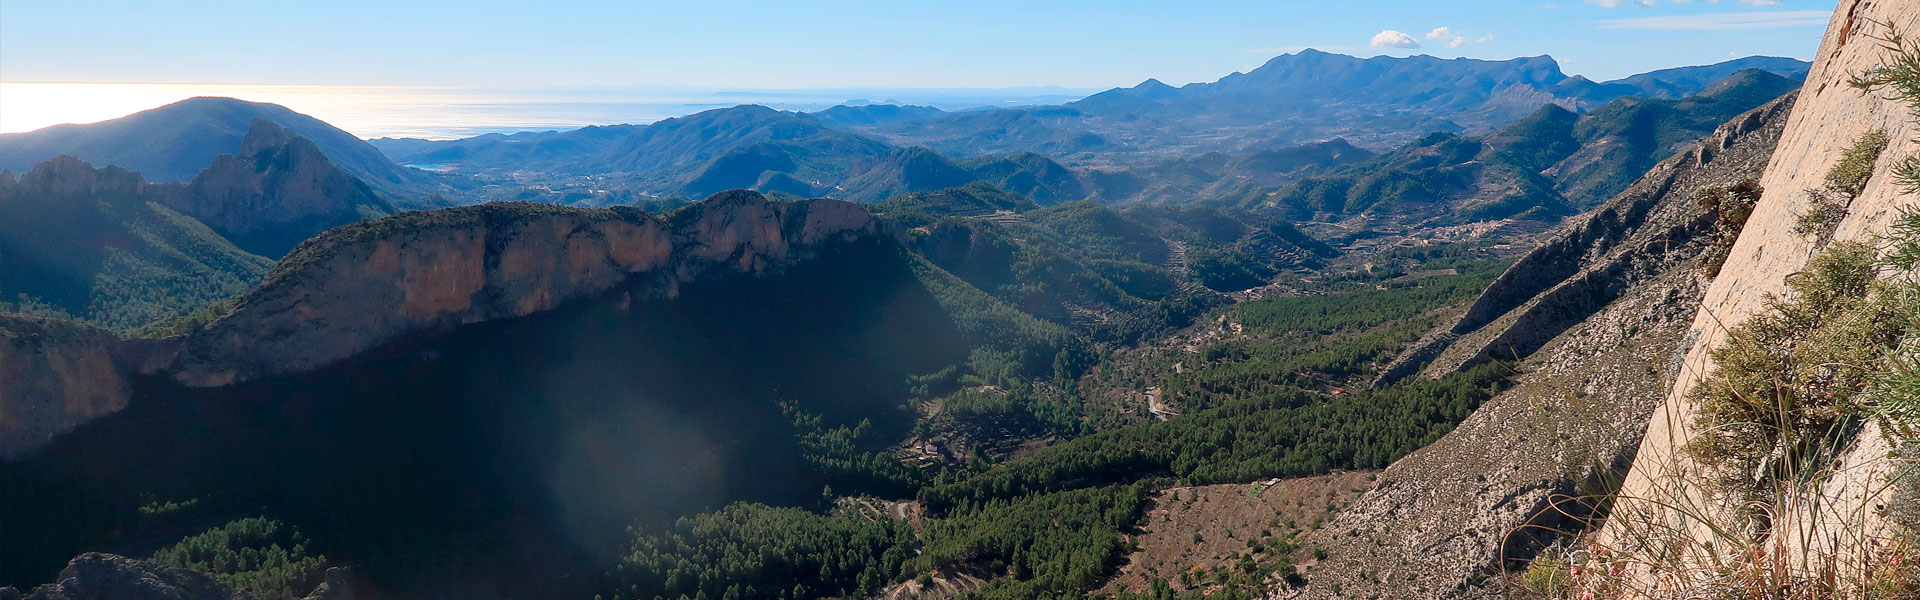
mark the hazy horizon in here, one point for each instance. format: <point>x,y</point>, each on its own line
<point>452,112</point>
<point>754,47</point>
<point>448,112</point>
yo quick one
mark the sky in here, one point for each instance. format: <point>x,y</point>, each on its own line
<point>827,43</point>
<point>442,70</point>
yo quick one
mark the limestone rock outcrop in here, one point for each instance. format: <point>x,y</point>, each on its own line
<point>97,576</point>
<point>54,376</point>
<point>1829,117</point>
<point>1594,318</point>
<point>277,190</point>
<point>356,287</point>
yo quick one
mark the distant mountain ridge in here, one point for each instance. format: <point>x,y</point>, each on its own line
<point>919,169</point>
<point>104,246</point>
<point>1552,163</point>
<point>1378,102</point>
<point>100,245</point>
<point>174,142</point>
<point>1269,126</point>
<point>526,149</point>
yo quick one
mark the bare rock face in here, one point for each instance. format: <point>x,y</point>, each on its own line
<point>1597,314</point>
<point>356,287</point>
<point>334,587</point>
<point>359,286</point>
<point>54,376</point>
<point>97,576</point>
<point>277,190</point>
<point>1829,117</point>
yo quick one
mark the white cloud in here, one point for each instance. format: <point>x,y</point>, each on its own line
<point>1486,38</point>
<point>1643,3</point>
<point>1746,20</point>
<point>1390,38</point>
<point>1445,34</point>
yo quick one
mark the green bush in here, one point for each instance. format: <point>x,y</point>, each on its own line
<point>756,551</point>
<point>259,556</point>
<point>1849,176</point>
<point>1788,382</point>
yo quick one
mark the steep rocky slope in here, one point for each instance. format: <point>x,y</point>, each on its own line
<point>1592,316</point>
<point>1829,118</point>
<point>54,375</point>
<point>1646,231</point>
<point>97,576</point>
<point>276,191</point>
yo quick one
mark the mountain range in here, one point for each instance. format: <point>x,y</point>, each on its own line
<point>1227,340</point>
<point>1308,97</point>
<point>174,142</point>
<point>1550,164</point>
<point>107,247</point>
<point>1375,103</point>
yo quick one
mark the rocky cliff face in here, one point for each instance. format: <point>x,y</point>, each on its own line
<point>54,376</point>
<point>357,287</point>
<point>276,191</point>
<point>97,576</point>
<point>1593,318</point>
<point>1829,117</point>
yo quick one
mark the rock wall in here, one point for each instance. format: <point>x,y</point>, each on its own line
<point>1828,118</point>
<point>54,376</point>
<point>359,286</point>
<point>98,576</point>
<point>356,287</point>
<point>1597,313</point>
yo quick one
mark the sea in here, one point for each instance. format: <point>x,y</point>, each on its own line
<point>439,113</point>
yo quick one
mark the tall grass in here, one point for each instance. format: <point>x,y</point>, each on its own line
<point>1812,410</point>
<point>1801,479</point>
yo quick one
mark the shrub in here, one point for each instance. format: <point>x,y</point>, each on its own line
<point>1849,176</point>
<point>1789,379</point>
<point>1731,205</point>
<point>260,556</point>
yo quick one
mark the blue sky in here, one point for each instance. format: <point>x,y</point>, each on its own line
<point>898,43</point>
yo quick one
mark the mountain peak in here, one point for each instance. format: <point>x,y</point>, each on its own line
<point>1748,86</point>
<point>278,190</point>
<point>174,142</point>
<point>263,135</point>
